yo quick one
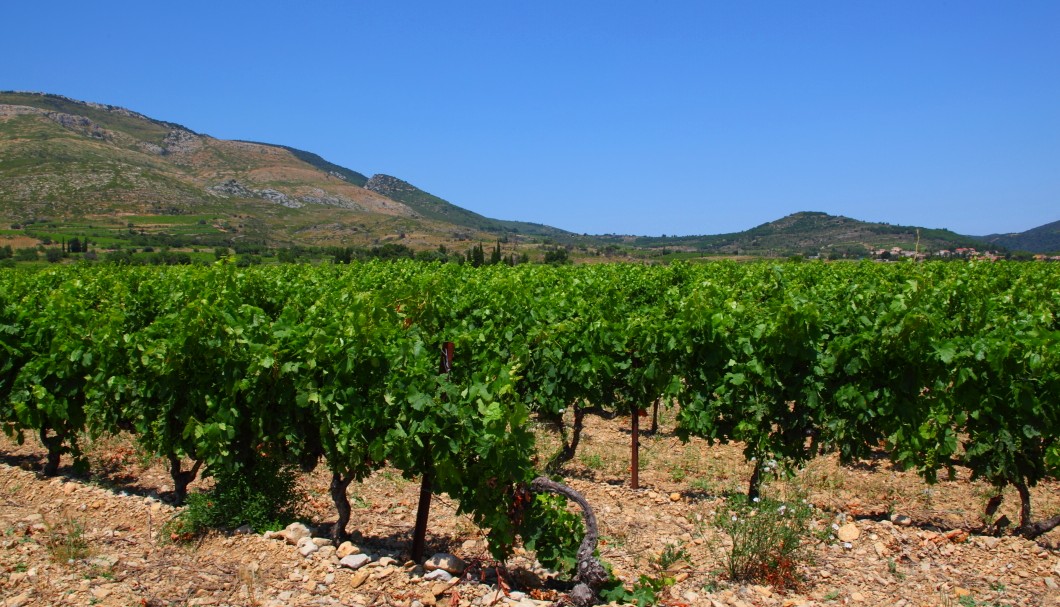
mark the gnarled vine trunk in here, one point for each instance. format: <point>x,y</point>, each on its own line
<point>181,478</point>
<point>54,444</point>
<point>1028,528</point>
<point>339,485</point>
<point>570,447</point>
<point>591,575</point>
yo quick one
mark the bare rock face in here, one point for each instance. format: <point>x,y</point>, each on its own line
<point>180,141</point>
<point>319,196</point>
<point>279,198</point>
<point>81,125</point>
<point>388,186</point>
<point>232,187</point>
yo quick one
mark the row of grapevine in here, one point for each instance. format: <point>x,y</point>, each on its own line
<point>218,366</point>
<point>941,364</point>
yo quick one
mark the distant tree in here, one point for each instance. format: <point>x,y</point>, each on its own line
<point>287,255</point>
<point>74,245</point>
<point>6,252</point>
<point>478,256</point>
<point>119,257</point>
<point>557,257</point>
<point>26,254</point>
<point>53,255</point>
<point>495,256</point>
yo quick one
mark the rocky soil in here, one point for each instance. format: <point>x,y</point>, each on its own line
<point>891,539</point>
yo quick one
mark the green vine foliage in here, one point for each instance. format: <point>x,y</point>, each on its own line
<point>936,365</point>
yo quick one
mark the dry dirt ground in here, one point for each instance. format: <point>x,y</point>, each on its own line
<point>98,540</point>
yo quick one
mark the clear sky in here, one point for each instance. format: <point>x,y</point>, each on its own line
<point>647,117</point>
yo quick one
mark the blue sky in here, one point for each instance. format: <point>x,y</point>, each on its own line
<point>650,117</point>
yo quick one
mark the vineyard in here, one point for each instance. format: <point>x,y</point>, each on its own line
<point>446,374</point>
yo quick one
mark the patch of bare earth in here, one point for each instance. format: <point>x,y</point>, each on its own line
<point>99,541</point>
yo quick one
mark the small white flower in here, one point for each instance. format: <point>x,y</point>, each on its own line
<point>756,500</point>
<point>734,518</point>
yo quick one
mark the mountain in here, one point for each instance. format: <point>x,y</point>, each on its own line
<point>432,207</point>
<point>814,233</point>
<point>1042,239</point>
<point>65,161</point>
<point>71,168</point>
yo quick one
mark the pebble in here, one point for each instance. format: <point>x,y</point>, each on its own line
<point>438,575</point>
<point>848,533</point>
<point>447,562</point>
<point>347,548</point>
<point>294,533</point>
<point>20,600</point>
<point>355,561</point>
<point>358,578</point>
<point>306,546</point>
<point>383,573</point>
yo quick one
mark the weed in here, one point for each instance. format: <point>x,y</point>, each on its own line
<point>677,473</point>
<point>832,595</point>
<point>769,539</point>
<point>703,485</point>
<point>613,540</point>
<point>645,591</point>
<point>670,554</point>
<point>66,541</point>
<point>593,461</point>
<point>892,568</point>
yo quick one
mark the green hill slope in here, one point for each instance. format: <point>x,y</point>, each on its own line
<point>816,234</point>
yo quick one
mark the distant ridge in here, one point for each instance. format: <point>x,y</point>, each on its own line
<point>1042,239</point>
<point>813,233</point>
<point>91,164</point>
<point>433,207</point>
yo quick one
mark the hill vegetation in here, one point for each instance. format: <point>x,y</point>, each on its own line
<point>71,169</point>
<point>1043,239</point>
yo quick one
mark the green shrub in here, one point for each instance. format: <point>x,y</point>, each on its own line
<point>264,496</point>
<point>769,540</point>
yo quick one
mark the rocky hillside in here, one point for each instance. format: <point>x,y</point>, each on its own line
<point>68,160</point>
